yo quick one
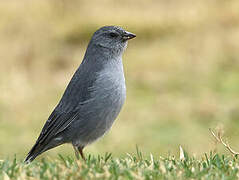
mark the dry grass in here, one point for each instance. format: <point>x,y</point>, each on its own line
<point>181,70</point>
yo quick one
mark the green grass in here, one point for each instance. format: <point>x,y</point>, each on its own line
<point>210,166</point>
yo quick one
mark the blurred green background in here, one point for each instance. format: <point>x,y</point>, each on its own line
<point>182,71</point>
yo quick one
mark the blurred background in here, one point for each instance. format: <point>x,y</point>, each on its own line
<point>182,71</point>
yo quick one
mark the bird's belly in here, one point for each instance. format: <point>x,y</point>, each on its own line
<point>99,114</point>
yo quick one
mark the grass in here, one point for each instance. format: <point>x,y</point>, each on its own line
<point>210,166</point>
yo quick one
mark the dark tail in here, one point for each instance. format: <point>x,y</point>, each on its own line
<point>36,150</point>
<point>41,147</point>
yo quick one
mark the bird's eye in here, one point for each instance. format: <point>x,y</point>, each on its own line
<point>113,34</point>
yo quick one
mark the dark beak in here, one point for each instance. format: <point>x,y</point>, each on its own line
<point>128,35</point>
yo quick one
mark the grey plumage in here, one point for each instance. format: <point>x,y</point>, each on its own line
<point>92,99</point>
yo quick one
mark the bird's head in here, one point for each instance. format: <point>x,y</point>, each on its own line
<point>113,38</point>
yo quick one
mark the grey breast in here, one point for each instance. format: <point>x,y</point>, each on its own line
<point>108,94</point>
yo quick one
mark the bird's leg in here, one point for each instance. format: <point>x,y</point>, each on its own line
<point>76,152</point>
<point>80,149</point>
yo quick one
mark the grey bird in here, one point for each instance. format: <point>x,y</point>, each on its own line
<point>92,99</point>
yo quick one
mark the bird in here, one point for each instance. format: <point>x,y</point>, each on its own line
<point>93,98</point>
